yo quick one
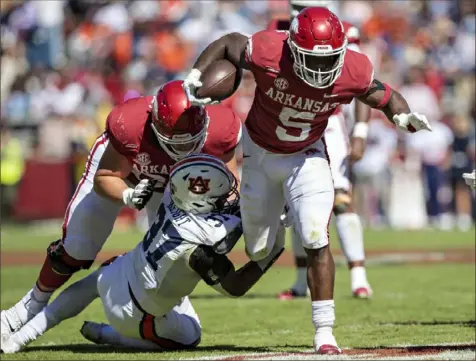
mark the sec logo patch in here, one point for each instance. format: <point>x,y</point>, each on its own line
<point>281,83</point>
<point>143,159</point>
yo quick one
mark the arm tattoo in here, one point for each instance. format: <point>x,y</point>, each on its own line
<point>375,86</point>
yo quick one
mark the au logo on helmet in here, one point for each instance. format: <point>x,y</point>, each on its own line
<point>199,185</point>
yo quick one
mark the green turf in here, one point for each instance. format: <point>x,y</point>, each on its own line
<point>425,304</point>
<point>15,238</point>
<point>413,304</point>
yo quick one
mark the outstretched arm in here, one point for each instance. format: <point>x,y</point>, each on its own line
<point>383,97</point>
<point>394,106</point>
<point>359,134</point>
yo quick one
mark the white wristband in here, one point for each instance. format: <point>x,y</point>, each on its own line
<point>361,130</point>
<point>127,197</point>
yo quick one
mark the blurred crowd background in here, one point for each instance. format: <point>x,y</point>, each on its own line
<point>66,63</point>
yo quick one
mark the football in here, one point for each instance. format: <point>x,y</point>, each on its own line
<point>220,80</point>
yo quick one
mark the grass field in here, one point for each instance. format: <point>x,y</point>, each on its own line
<point>414,304</point>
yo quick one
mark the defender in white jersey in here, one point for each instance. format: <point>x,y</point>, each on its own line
<point>145,292</point>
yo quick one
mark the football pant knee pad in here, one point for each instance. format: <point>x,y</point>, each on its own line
<point>62,262</point>
<point>342,202</point>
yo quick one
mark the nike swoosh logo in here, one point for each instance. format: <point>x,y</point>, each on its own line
<point>330,95</point>
<point>246,156</point>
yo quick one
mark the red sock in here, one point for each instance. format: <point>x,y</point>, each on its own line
<point>50,280</point>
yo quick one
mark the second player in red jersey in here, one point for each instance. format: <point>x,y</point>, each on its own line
<point>129,164</point>
<point>302,76</point>
<point>216,131</point>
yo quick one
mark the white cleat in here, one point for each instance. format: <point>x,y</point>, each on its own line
<point>92,331</point>
<point>14,318</point>
<point>6,329</point>
<point>363,292</point>
<point>325,344</point>
<point>8,346</point>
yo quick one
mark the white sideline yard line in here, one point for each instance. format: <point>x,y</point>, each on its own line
<point>397,258</point>
<point>377,353</point>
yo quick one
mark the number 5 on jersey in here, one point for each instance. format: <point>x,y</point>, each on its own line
<point>286,117</point>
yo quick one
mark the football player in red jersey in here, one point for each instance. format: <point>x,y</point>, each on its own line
<point>341,152</point>
<point>128,165</point>
<point>302,76</point>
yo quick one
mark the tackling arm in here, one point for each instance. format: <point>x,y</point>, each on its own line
<point>237,283</point>
<point>219,272</point>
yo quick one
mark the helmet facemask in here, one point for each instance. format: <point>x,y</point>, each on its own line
<point>319,67</point>
<point>229,203</point>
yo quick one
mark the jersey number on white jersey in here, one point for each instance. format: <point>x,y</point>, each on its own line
<point>156,250</point>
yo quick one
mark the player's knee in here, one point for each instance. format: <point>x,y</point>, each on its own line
<point>192,335</point>
<point>62,262</point>
<point>196,337</point>
<point>342,202</point>
<point>315,237</point>
<point>321,255</point>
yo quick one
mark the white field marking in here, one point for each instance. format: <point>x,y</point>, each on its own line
<point>401,352</point>
<point>398,258</point>
<point>49,343</point>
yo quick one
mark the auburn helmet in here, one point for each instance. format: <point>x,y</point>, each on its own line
<point>181,128</point>
<point>202,183</point>
<point>318,44</point>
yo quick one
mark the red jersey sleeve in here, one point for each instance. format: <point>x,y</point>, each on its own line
<point>121,132</point>
<point>224,130</point>
<point>264,49</point>
<point>361,72</point>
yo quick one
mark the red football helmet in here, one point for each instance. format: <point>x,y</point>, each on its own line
<point>351,32</point>
<point>318,43</point>
<point>180,127</point>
